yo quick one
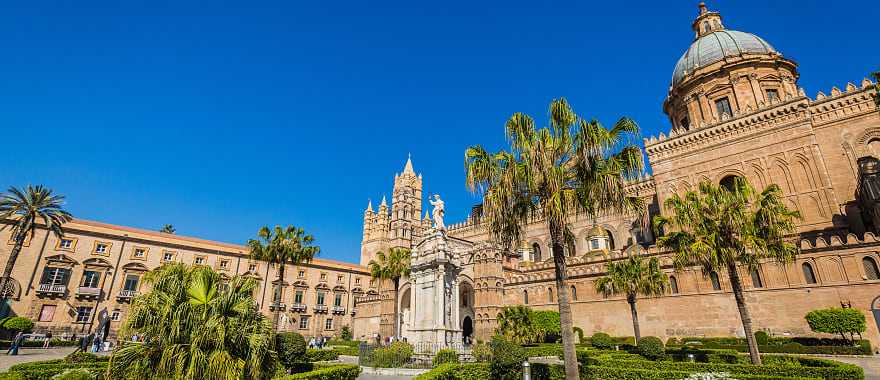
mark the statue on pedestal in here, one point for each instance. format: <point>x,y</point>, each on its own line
<point>439,211</point>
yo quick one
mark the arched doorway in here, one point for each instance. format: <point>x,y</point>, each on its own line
<point>467,329</point>
<point>875,311</point>
<point>405,311</point>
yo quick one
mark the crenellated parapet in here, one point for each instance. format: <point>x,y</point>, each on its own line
<point>852,101</point>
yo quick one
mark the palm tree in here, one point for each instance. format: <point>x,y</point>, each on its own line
<point>23,210</point>
<point>282,246</point>
<point>551,174</point>
<point>195,327</point>
<point>168,229</point>
<point>632,277</point>
<point>391,266</point>
<point>719,228</point>
<point>515,324</point>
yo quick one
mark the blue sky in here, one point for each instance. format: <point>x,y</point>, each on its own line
<point>220,117</point>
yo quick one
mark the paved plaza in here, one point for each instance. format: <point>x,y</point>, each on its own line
<point>26,355</point>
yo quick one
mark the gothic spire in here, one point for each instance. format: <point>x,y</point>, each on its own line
<point>370,206</point>
<point>408,168</point>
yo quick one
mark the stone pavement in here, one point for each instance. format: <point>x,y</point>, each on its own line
<point>26,355</point>
<point>368,376</point>
<point>871,364</point>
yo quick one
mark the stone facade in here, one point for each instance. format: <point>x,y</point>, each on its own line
<point>65,285</point>
<point>735,110</point>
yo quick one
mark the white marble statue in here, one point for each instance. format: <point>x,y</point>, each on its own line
<point>439,210</point>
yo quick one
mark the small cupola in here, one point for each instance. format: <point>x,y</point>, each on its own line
<point>707,22</point>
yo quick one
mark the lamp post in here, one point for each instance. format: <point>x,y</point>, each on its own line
<point>527,371</point>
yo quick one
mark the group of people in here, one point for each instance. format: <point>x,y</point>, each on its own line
<point>318,342</point>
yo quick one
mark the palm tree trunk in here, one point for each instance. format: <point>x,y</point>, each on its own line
<point>10,263</point>
<point>631,299</point>
<point>569,356</point>
<point>394,328</point>
<point>277,314</point>
<point>736,284</point>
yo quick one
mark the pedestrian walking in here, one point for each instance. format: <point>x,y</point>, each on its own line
<point>48,341</point>
<point>16,342</point>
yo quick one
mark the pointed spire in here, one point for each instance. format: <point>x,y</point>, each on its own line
<point>370,206</point>
<point>384,203</point>
<point>426,216</point>
<point>408,168</point>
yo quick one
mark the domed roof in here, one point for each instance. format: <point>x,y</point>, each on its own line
<point>715,46</point>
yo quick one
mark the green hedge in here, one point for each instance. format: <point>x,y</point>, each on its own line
<point>45,371</point>
<point>336,372</point>
<point>320,355</point>
<point>346,350</point>
<point>812,368</point>
<point>557,372</point>
<point>797,345</point>
<point>466,371</point>
<point>704,355</point>
<point>5,344</point>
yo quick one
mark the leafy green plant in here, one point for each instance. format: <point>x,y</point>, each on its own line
<point>445,356</point>
<point>837,321</point>
<point>632,277</point>
<point>74,374</point>
<point>601,340</point>
<point>481,352</point>
<point>291,348</point>
<point>333,372</point>
<point>81,357</point>
<point>396,355</point>
<point>547,325</point>
<point>651,347</point>
<point>762,338</point>
<point>516,324</point>
<point>320,355</point>
<point>468,371</point>
<point>17,324</point>
<point>345,333</point>
<point>507,359</point>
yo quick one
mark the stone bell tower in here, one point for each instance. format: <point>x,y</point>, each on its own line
<point>398,225</point>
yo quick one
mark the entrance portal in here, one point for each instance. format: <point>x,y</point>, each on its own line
<point>467,329</point>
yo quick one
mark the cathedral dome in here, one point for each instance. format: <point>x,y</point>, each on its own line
<point>715,46</point>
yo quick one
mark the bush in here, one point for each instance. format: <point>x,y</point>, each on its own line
<point>601,340</point>
<point>544,350</point>
<point>396,355</point>
<point>548,325</point>
<point>345,333</point>
<point>507,360</point>
<point>291,348</point>
<point>481,352</point>
<point>17,324</point>
<point>335,372</point>
<point>81,357</point>
<point>346,350</point>
<point>74,374</point>
<point>836,321</point>
<point>445,356</point>
<point>703,355</point>
<point>320,355</point>
<point>809,368</point>
<point>762,338</point>
<point>468,371</point>
<point>651,347</point>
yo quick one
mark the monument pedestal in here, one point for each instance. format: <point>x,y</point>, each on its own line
<point>434,270</point>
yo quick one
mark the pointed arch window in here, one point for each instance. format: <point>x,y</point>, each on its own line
<point>536,252</point>
<point>525,297</point>
<point>756,279</point>
<point>550,294</point>
<point>870,266</point>
<point>809,274</point>
<point>574,293</point>
<point>673,285</point>
<point>716,284</point>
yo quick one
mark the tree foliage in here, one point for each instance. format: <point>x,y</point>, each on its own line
<point>392,265</point>
<point>572,166</point>
<point>196,326</point>
<point>17,324</point>
<point>632,277</point>
<point>517,324</point>
<point>291,348</point>
<point>507,359</point>
<point>837,321</point>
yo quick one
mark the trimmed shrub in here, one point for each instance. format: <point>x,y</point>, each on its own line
<point>836,320</point>
<point>81,357</point>
<point>346,350</point>
<point>762,338</point>
<point>335,372</point>
<point>445,356</point>
<point>396,355</point>
<point>467,371</point>
<point>507,360</point>
<point>291,348</point>
<point>544,350</point>
<point>703,355</point>
<point>74,374</point>
<point>481,352</point>
<point>548,325</point>
<point>345,333</point>
<point>320,355</point>
<point>651,347</point>
<point>812,368</point>
<point>17,324</point>
<point>11,376</point>
<point>601,340</point>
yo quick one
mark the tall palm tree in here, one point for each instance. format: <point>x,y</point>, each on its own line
<point>391,266</point>
<point>168,229</point>
<point>23,210</point>
<point>633,277</point>
<point>550,174</point>
<point>194,327</point>
<point>280,247</point>
<point>720,228</point>
<point>515,324</point>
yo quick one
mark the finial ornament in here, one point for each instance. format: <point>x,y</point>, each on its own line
<point>703,8</point>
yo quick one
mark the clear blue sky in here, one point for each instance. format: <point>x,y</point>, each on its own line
<point>220,117</point>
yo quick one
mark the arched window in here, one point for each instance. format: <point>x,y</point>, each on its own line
<point>610,240</point>
<point>574,293</point>
<point>673,285</point>
<point>706,26</point>
<point>570,248</point>
<point>550,295</point>
<point>809,274</point>
<point>756,279</point>
<point>536,252</point>
<point>728,182</point>
<point>871,271</point>
<point>716,285</point>
<point>525,297</point>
